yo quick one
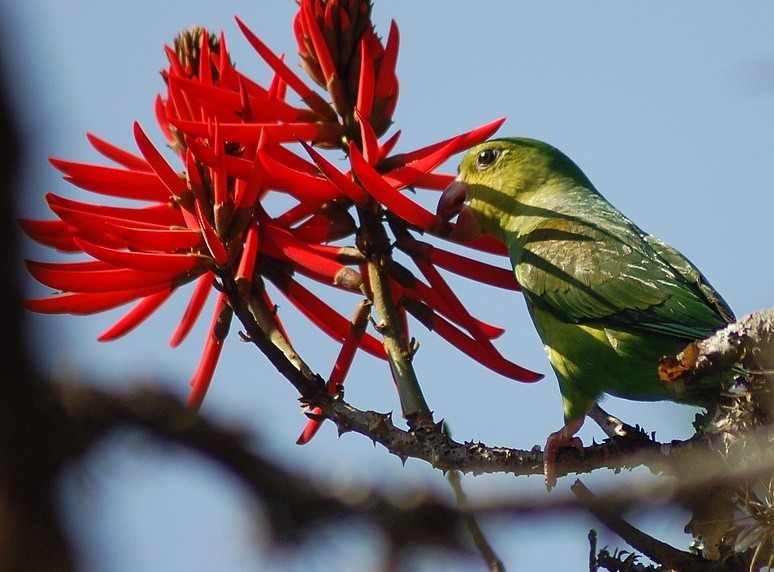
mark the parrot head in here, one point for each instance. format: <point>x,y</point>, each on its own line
<point>496,178</point>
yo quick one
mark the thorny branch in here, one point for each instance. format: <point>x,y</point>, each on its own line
<point>295,504</point>
<point>694,462</point>
<point>430,444</point>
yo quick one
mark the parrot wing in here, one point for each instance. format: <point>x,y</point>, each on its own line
<point>606,269</point>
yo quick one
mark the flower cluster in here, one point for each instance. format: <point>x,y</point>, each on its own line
<point>205,221</point>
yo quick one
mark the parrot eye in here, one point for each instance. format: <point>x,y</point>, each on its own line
<point>486,158</point>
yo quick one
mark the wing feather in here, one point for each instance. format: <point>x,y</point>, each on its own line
<point>603,267</point>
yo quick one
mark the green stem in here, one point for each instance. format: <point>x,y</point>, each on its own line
<point>375,245</point>
<point>264,317</point>
<point>261,329</point>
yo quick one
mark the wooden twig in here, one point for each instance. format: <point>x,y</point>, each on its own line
<point>490,557</point>
<point>655,549</point>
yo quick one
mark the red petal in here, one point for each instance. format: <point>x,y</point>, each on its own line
<point>174,183</point>
<point>225,69</point>
<point>163,215</point>
<point>477,135</point>
<point>387,195</point>
<point>265,106</point>
<point>463,141</point>
<point>249,254</point>
<point>433,299</point>
<point>340,368</point>
<point>177,104</point>
<point>310,429</point>
<point>368,139</point>
<point>290,159</point>
<point>295,214</point>
<point>325,317</point>
<point>174,62</point>
<point>473,269</point>
<point>346,356</point>
<point>89,302</point>
<point>436,181</point>
<point>118,155</point>
<point>89,227</point>
<point>150,261</point>
<point>205,67</point>
<point>121,183</point>
<point>160,111</point>
<point>248,190</point>
<point>299,252</point>
<point>97,228</point>
<point>301,185</point>
<point>74,266</point>
<point>107,231</point>
<point>244,102</point>
<point>385,80</point>
<point>216,100</point>
<point>194,308</point>
<point>155,240</point>
<point>342,181</point>
<point>310,97</point>
<point>389,145</point>
<point>84,277</point>
<point>219,191</point>
<point>242,168</point>
<point>278,88</point>
<point>365,87</point>
<point>322,53</point>
<point>487,243</point>
<point>211,238</point>
<point>252,132</point>
<point>136,315</point>
<point>54,233</point>
<point>204,154</point>
<point>320,228</point>
<point>410,172</point>
<point>491,359</point>
<point>202,378</point>
<point>458,309</point>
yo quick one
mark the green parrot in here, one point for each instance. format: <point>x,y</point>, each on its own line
<point>607,299</point>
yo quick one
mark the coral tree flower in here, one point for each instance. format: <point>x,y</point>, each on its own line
<point>206,221</point>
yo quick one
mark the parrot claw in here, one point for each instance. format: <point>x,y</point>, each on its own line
<point>565,437</point>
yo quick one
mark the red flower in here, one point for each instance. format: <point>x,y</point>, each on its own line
<point>341,52</point>
<point>205,222</point>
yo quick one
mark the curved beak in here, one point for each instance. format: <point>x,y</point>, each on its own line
<point>453,202</point>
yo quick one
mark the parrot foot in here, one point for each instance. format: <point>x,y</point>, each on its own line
<point>565,437</point>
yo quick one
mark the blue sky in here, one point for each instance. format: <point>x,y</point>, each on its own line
<point>668,108</point>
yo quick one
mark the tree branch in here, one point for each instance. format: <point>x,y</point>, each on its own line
<point>655,549</point>
<point>294,504</point>
<point>490,557</point>
<point>430,444</point>
<point>747,344</point>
